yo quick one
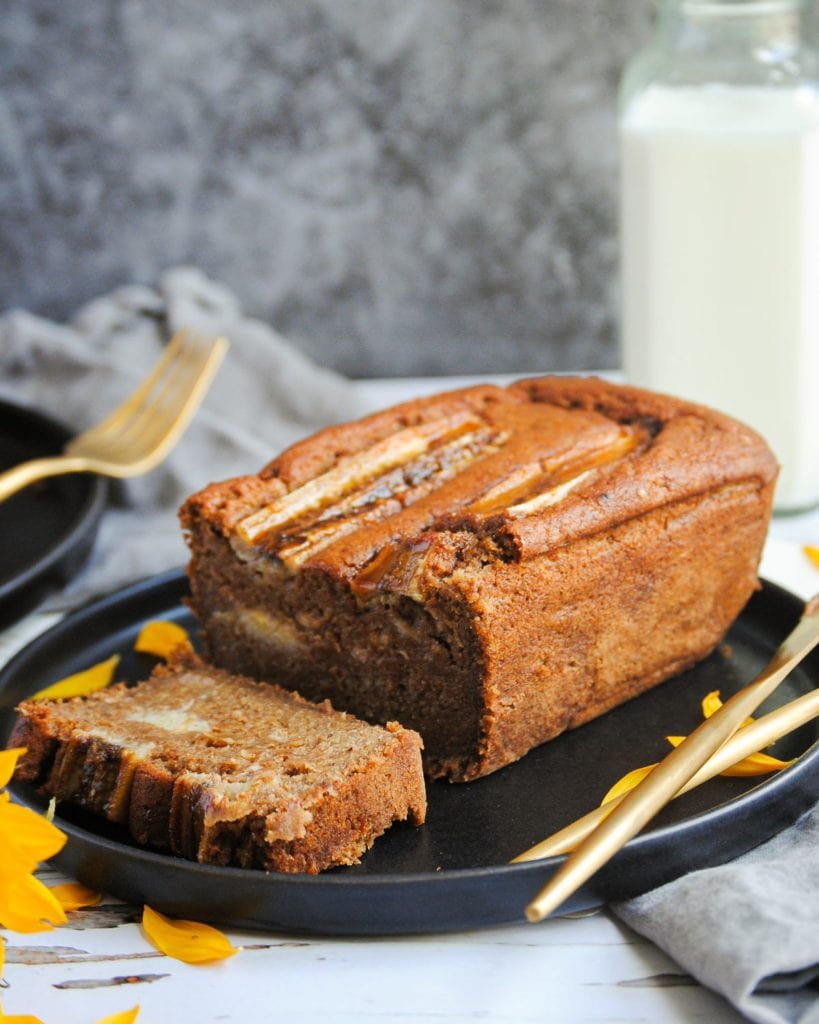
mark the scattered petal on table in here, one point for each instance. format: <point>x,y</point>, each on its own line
<point>75,896</point>
<point>813,553</point>
<point>189,941</point>
<point>123,1017</point>
<point>18,1018</point>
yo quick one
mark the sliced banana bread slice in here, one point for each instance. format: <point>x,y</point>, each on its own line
<point>225,770</point>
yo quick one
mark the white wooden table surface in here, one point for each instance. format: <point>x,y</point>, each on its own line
<point>589,969</point>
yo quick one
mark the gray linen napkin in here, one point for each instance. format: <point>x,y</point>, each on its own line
<point>265,396</point>
<point>749,929</point>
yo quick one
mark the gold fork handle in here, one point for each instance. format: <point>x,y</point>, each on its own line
<point>18,477</point>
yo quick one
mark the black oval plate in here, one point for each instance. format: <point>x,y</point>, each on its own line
<point>453,873</point>
<point>46,530</point>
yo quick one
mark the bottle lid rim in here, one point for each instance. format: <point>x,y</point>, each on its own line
<point>741,6</point>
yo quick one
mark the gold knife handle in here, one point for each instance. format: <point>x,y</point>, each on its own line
<point>671,774</point>
<point>754,736</point>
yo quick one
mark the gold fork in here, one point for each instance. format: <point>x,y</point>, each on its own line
<point>141,431</point>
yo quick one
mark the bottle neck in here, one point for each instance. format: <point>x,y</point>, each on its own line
<point>764,28</point>
<point>701,25</point>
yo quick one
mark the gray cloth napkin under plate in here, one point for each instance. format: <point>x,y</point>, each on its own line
<point>749,929</point>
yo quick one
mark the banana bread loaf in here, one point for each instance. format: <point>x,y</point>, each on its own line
<point>490,566</point>
<point>225,770</point>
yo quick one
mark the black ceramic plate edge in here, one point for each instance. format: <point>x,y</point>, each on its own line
<point>338,903</point>
<point>60,561</point>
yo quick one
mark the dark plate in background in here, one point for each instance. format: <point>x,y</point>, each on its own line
<point>453,873</point>
<point>46,530</point>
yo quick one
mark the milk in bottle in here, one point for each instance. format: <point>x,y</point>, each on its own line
<point>720,223</point>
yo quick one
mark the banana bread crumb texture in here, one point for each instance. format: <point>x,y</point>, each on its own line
<point>225,770</point>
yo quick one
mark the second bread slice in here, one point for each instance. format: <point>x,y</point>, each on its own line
<point>222,769</point>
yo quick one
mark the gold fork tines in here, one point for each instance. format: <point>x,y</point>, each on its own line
<point>140,432</point>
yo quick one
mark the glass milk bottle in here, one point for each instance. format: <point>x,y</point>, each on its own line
<point>719,135</point>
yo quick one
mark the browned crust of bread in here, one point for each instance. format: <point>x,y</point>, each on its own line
<point>225,502</point>
<point>164,806</point>
<point>622,612</point>
<point>693,449</point>
<point>549,617</point>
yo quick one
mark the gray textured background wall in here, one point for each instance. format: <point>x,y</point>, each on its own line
<point>401,186</point>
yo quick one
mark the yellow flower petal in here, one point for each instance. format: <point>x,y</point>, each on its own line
<point>711,702</point>
<point>187,941</point>
<point>95,678</point>
<point>627,782</point>
<point>812,553</point>
<point>160,638</point>
<point>122,1017</point>
<point>755,764</point>
<point>8,762</point>
<point>27,906</point>
<point>26,836</point>
<point>74,896</point>
<point>17,1018</point>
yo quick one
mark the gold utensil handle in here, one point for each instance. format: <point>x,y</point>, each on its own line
<point>18,477</point>
<point>671,774</point>
<point>758,735</point>
<point>140,432</point>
